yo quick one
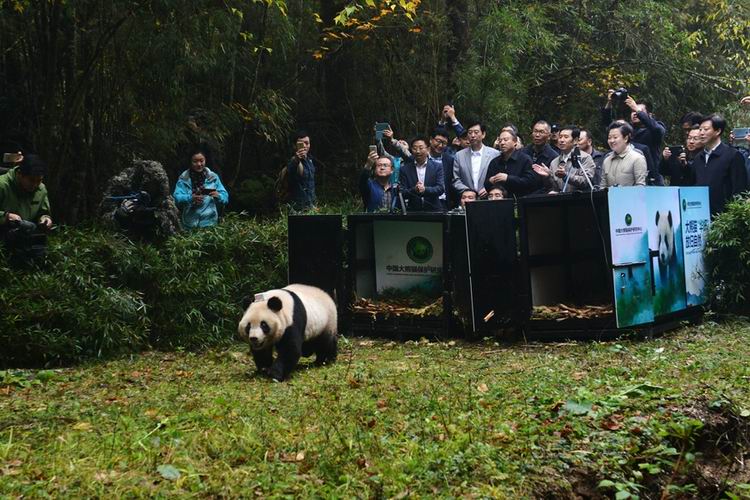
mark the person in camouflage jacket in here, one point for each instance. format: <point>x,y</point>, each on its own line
<point>138,202</point>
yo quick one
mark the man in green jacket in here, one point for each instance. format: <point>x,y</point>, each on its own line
<point>22,194</point>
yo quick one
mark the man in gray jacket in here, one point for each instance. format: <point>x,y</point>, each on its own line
<point>470,164</point>
<point>572,170</point>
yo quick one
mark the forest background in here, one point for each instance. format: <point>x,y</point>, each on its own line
<point>92,84</point>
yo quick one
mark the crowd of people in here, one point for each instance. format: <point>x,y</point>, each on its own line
<point>436,173</point>
<point>137,201</point>
<point>442,172</point>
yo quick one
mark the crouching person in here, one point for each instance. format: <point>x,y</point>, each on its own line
<point>138,203</point>
<point>24,209</point>
<point>199,193</point>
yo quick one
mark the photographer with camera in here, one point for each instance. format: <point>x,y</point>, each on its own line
<point>199,193</point>
<point>137,201</point>
<point>375,186</point>
<point>647,130</point>
<point>301,170</point>
<point>677,160</point>
<point>24,207</point>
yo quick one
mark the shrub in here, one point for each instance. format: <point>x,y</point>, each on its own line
<point>99,294</point>
<point>728,258</point>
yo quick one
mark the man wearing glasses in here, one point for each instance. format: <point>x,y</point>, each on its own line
<point>440,154</point>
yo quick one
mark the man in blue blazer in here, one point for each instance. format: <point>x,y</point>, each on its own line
<point>470,164</point>
<point>422,180</point>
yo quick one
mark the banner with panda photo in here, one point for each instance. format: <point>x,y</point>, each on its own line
<point>696,217</point>
<point>631,274</point>
<point>408,257</point>
<point>665,249</point>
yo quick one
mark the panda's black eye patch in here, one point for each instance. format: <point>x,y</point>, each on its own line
<point>264,326</point>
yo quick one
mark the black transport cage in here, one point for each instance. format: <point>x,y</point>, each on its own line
<point>475,275</point>
<point>546,264</point>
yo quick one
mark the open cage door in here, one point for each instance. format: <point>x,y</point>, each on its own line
<point>494,283</point>
<point>315,251</point>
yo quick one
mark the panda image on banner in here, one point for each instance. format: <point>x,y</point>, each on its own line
<point>667,256</point>
<point>298,320</point>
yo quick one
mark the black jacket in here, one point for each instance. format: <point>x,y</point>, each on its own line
<point>545,156</point>
<point>725,175</point>
<point>522,179</point>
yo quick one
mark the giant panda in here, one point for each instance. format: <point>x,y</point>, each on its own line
<point>298,320</point>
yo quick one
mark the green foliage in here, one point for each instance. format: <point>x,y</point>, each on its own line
<point>728,258</point>
<point>411,420</point>
<point>100,295</point>
<point>255,194</point>
<point>150,78</point>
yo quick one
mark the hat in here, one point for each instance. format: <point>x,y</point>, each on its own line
<point>32,165</point>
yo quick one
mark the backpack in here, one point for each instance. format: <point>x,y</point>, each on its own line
<point>281,186</point>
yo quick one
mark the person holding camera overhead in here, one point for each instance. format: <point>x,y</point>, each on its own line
<point>301,171</point>
<point>199,193</point>
<point>646,129</point>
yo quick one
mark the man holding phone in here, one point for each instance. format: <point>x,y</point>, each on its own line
<point>301,172</point>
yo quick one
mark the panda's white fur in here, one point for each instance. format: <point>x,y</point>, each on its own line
<point>665,230</point>
<point>319,335</point>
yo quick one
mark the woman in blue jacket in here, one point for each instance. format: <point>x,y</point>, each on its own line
<point>199,193</point>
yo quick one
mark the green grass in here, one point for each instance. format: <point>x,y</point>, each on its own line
<point>416,419</point>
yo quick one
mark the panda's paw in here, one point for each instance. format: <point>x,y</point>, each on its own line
<point>276,375</point>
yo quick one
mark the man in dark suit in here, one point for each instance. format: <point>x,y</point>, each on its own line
<point>718,166</point>
<point>440,154</point>
<point>512,169</point>
<point>470,164</point>
<point>422,180</point>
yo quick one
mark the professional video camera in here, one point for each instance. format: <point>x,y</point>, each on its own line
<point>134,211</point>
<point>24,241</point>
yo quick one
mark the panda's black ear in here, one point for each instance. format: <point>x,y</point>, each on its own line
<point>274,304</point>
<point>657,217</point>
<point>669,218</point>
<point>246,301</point>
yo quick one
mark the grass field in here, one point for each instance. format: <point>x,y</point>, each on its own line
<point>659,418</point>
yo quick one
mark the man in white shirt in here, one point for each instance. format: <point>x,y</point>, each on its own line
<point>422,180</point>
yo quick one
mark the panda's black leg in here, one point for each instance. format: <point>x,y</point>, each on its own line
<point>263,359</point>
<point>289,350</point>
<point>310,347</point>
<point>326,349</point>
